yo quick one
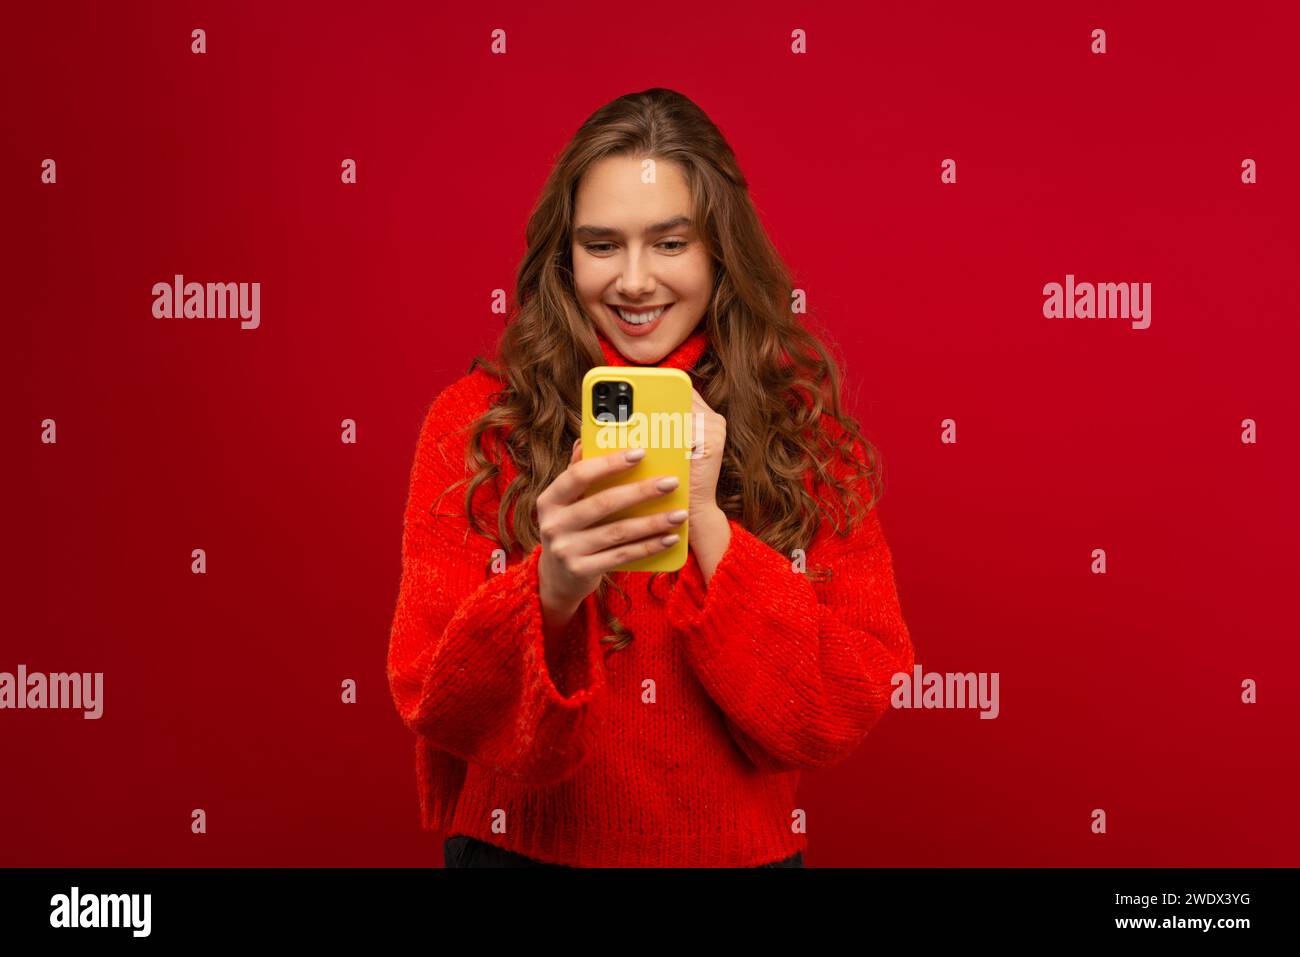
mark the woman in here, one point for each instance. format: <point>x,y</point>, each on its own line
<point>566,714</point>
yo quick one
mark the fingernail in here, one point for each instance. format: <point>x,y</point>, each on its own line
<point>670,539</point>
<point>667,484</point>
<point>677,515</point>
<point>635,455</point>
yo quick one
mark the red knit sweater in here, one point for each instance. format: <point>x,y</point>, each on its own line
<point>683,749</point>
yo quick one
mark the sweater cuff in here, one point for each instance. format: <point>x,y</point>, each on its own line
<point>571,667</point>
<point>492,699</point>
<point>755,598</point>
<point>578,653</point>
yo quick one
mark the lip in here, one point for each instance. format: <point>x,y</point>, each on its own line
<point>642,330</point>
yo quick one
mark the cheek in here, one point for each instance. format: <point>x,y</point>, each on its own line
<point>586,275</point>
<point>591,281</point>
<point>695,278</point>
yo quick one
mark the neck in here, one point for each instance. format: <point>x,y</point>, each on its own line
<point>683,357</point>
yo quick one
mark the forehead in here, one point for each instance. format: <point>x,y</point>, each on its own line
<point>612,191</point>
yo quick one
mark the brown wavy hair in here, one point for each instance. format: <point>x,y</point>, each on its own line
<point>764,371</point>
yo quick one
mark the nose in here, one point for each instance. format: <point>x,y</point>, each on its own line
<point>635,280</point>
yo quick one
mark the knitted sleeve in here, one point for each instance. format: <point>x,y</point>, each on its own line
<point>800,670</point>
<point>467,657</point>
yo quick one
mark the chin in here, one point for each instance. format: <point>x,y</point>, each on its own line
<point>642,350</point>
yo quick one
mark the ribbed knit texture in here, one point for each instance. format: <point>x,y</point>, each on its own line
<point>756,675</point>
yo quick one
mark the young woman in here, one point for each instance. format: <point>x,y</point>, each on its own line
<point>566,714</point>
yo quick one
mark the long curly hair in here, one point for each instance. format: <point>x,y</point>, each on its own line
<point>764,370</point>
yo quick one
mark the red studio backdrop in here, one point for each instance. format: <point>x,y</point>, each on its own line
<point>1170,446</point>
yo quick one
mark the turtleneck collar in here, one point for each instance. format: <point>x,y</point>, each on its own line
<point>683,357</point>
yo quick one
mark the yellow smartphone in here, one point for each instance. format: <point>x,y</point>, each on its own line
<point>650,407</point>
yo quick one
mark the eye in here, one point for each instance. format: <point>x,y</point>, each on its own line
<point>673,245</point>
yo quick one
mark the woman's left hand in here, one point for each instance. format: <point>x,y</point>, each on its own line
<point>706,463</point>
<point>708,530</point>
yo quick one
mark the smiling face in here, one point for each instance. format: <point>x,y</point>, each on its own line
<point>634,246</point>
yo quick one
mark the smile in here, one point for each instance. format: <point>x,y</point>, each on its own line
<point>640,317</point>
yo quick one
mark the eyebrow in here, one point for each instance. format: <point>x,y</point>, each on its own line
<point>600,232</point>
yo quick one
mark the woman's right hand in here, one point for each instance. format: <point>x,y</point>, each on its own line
<point>576,550</point>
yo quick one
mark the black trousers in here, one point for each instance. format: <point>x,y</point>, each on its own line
<point>462,851</point>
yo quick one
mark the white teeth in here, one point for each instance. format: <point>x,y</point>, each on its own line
<point>642,318</point>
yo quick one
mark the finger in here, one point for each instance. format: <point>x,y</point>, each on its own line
<point>589,566</point>
<point>698,433</point>
<point>590,511</point>
<point>569,486</point>
<point>613,534</point>
<point>596,538</point>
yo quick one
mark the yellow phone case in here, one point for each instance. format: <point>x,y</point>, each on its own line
<point>660,422</point>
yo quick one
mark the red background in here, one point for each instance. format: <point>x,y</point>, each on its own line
<point>1119,692</point>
